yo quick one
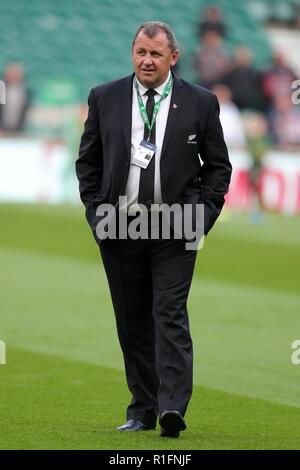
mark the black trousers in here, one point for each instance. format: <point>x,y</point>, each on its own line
<point>149,282</point>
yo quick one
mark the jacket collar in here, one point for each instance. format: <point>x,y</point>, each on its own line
<point>126,110</point>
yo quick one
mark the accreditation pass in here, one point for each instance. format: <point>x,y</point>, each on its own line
<point>144,153</point>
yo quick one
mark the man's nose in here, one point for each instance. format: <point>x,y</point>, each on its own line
<point>148,59</point>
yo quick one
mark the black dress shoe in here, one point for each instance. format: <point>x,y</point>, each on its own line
<point>171,424</point>
<point>134,425</point>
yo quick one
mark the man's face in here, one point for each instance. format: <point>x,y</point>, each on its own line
<point>152,59</point>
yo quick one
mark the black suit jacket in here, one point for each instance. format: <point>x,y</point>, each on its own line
<point>105,149</point>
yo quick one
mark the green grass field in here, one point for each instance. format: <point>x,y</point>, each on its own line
<point>63,386</point>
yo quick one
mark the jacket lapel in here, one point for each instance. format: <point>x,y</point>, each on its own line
<point>126,110</point>
<point>175,108</point>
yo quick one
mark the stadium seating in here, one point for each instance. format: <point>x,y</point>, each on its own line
<point>87,42</point>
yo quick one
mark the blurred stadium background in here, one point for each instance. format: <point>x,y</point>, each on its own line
<point>63,385</point>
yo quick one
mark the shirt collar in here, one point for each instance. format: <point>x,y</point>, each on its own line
<point>159,90</point>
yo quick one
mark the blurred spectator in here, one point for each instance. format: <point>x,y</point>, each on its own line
<point>230,117</point>
<point>72,132</point>
<point>210,62</point>
<point>244,81</point>
<point>212,21</point>
<point>256,128</point>
<point>278,79</point>
<point>284,121</point>
<point>13,113</point>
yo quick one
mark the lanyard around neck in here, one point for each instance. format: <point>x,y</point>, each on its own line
<point>142,107</point>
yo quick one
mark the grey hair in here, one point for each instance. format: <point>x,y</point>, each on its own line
<point>152,28</point>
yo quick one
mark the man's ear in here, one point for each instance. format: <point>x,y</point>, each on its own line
<point>175,57</point>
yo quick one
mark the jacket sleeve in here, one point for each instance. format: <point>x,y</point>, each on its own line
<point>89,164</point>
<point>216,170</point>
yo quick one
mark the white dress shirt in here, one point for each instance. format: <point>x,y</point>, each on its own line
<point>137,135</point>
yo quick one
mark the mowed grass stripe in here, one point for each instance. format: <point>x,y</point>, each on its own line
<point>242,335</point>
<point>264,255</point>
<point>48,402</point>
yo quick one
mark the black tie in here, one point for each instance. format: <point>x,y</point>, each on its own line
<point>146,188</point>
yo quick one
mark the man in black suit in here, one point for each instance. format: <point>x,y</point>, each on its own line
<point>149,279</point>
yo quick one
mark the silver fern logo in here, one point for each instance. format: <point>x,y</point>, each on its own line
<point>191,139</point>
